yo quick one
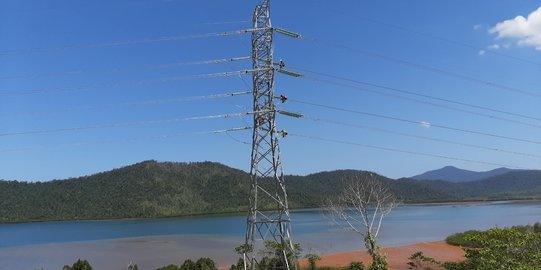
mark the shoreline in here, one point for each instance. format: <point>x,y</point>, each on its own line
<point>466,202</point>
<point>149,252</point>
<point>232,213</point>
<point>159,251</point>
<point>397,256</point>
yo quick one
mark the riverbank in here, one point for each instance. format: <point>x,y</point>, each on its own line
<point>397,256</point>
<point>243,213</point>
<point>152,243</point>
<point>147,252</point>
<point>158,251</point>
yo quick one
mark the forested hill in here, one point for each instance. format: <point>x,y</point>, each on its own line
<point>152,189</point>
<point>146,189</point>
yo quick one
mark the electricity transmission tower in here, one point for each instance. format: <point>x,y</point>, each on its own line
<point>269,217</point>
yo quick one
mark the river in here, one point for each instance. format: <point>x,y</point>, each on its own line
<point>151,243</point>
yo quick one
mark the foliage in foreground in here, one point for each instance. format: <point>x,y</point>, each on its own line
<point>418,261</point>
<point>468,239</point>
<point>273,258</point>
<point>502,249</point>
<point>201,264</point>
<point>355,266</point>
<point>312,258</point>
<point>78,265</point>
<point>517,248</point>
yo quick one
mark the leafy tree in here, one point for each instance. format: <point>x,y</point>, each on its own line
<point>133,267</point>
<point>418,261</point>
<point>510,248</point>
<point>201,264</point>
<point>355,266</point>
<point>464,239</point>
<point>273,255</point>
<point>312,258</point>
<point>78,265</point>
<point>238,266</point>
<point>505,249</point>
<point>537,227</point>
<point>188,265</point>
<point>205,264</point>
<point>169,267</point>
<point>244,248</point>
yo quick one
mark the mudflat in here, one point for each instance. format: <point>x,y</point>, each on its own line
<point>146,252</point>
<point>397,256</point>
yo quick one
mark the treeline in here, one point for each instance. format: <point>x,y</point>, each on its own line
<point>152,189</point>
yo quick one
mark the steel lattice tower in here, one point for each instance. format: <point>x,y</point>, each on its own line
<point>269,217</point>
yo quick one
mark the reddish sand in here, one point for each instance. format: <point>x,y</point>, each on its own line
<point>397,256</point>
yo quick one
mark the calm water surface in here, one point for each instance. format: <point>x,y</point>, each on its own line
<point>406,224</point>
<point>112,244</point>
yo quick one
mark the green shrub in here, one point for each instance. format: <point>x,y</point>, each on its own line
<point>418,261</point>
<point>188,265</point>
<point>463,239</point>
<point>169,267</point>
<point>201,264</point>
<point>78,265</point>
<point>355,266</point>
<point>312,258</point>
<point>205,264</point>
<point>516,248</point>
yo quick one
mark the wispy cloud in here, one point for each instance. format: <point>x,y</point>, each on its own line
<point>425,124</point>
<point>525,31</point>
<point>494,47</point>
<point>482,52</point>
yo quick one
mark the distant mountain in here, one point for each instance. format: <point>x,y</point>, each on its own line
<point>161,189</point>
<point>456,175</point>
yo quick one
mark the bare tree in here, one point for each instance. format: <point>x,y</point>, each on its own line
<point>361,207</point>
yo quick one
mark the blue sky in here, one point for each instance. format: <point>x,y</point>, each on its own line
<point>101,63</point>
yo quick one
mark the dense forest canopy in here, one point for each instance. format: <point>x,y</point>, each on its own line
<point>161,189</point>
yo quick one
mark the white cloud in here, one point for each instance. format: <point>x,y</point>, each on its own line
<point>526,31</point>
<point>482,52</point>
<point>494,47</point>
<point>477,27</point>
<point>425,124</point>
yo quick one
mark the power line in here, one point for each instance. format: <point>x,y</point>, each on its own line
<point>425,67</point>
<point>316,79</point>
<point>161,66</point>
<point>227,131</point>
<point>135,103</point>
<point>226,22</point>
<point>415,122</point>
<point>120,125</point>
<point>334,122</point>
<point>237,140</point>
<point>128,42</point>
<point>394,89</point>
<point>403,151</point>
<point>127,83</point>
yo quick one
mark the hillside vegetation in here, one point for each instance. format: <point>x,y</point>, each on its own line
<point>153,189</point>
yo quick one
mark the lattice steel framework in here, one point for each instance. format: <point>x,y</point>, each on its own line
<point>269,217</point>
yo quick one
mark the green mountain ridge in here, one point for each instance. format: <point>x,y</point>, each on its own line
<point>162,189</point>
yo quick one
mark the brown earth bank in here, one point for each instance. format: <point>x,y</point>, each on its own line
<point>396,256</point>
